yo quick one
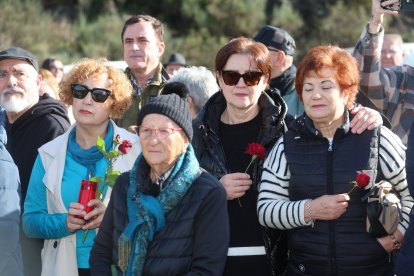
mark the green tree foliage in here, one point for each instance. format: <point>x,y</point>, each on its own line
<point>72,29</point>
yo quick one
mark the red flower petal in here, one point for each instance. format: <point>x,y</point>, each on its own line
<point>362,180</point>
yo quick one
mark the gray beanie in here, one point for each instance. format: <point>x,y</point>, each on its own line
<point>173,107</point>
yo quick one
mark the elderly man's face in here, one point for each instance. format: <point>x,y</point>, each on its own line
<point>19,85</point>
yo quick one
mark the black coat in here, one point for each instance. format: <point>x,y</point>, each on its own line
<point>207,145</point>
<point>194,241</point>
<point>40,124</point>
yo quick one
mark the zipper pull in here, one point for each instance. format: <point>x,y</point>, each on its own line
<point>330,145</point>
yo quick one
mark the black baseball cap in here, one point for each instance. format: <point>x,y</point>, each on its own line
<point>20,53</point>
<point>277,38</point>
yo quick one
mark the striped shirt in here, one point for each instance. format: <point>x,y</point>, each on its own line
<point>275,210</point>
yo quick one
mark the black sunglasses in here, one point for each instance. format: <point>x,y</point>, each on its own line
<point>99,95</point>
<point>250,78</point>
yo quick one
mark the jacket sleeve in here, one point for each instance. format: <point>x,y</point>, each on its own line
<point>37,222</point>
<point>10,251</point>
<point>100,259</point>
<point>274,208</point>
<point>211,234</point>
<point>392,163</point>
<point>409,161</point>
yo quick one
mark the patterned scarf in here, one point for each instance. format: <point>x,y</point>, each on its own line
<point>147,213</point>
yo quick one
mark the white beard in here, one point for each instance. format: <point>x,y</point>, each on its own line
<point>13,103</point>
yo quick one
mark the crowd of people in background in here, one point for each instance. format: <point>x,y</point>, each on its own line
<point>240,170</point>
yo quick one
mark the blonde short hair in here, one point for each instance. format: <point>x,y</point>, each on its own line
<point>120,86</point>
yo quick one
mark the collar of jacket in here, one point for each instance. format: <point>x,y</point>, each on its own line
<point>160,76</point>
<point>285,83</point>
<point>303,125</point>
<point>272,108</point>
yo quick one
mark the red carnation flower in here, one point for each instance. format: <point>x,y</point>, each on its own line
<point>125,146</point>
<point>255,150</point>
<point>361,181</point>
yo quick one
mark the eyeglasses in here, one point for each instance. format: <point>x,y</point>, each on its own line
<point>99,95</point>
<point>250,78</point>
<point>161,133</point>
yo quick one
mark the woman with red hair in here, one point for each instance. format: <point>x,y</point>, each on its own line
<point>309,172</point>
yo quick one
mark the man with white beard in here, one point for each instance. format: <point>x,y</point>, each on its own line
<point>31,122</point>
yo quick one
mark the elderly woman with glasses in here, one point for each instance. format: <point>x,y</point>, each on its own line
<point>97,93</point>
<point>167,216</point>
<point>243,112</point>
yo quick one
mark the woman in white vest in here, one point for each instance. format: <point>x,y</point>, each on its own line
<point>97,93</point>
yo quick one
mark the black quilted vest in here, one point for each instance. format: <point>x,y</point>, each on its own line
<point>341,246</point>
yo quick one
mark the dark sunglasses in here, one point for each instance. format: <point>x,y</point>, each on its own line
<point>99,95</point>
<point>250,78</point>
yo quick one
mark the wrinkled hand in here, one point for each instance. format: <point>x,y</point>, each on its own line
<point>72,222</point>
<point>94,217</point>
<point>387,242</point>
<point>365,118</point>
<point>236,184</point>
<point>329,207</point>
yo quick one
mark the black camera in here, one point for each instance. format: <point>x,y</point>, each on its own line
<point>402,5</point>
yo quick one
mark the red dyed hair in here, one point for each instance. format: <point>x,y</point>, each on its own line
<point>343,65</point>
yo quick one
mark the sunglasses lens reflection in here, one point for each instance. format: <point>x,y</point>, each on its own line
<point>250,78</point>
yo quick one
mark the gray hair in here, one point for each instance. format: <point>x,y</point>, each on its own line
<point>200,82</point>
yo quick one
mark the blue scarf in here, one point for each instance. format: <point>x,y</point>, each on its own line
<point>146,213</point>
<point>89,157</point>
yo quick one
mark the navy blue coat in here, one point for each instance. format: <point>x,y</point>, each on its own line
<point>405,259</point>
<point>10,251</point>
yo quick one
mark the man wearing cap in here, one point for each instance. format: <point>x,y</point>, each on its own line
<point>174,63</point>
<point>31,122</point>
<point>143,41</point>
<point>281,46</point>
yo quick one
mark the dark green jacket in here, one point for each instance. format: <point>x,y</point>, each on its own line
<point>152,90</point>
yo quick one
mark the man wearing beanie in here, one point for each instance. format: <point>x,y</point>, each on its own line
<point>167,216</point>
<point>30,122</point>
<point>281,46</point>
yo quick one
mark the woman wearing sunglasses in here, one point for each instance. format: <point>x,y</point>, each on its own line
<point>243,112</point>
<point>166,216</point>
<point>97,93</point>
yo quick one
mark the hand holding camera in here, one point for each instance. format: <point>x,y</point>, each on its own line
<point>400,5</point>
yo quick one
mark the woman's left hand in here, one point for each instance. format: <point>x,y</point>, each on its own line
<point>365,118</point>
<point>95,216</point>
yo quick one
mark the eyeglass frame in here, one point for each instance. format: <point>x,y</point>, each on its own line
<point>170,131</point>
<point>246,74</point>
<point>92,91</point>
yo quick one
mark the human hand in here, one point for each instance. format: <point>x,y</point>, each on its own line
<point>329,207</point>
<point>73,221</point>
<point>236,184</point>
<point>94,217</point>
<point>392,242</point>
<point>365,118</point>
<point>377,13</point>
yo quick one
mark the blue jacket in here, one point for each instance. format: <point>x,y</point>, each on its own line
<point>404,263</point>
<point>10,251</point>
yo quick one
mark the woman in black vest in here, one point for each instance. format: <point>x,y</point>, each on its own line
<point>308,174</point>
